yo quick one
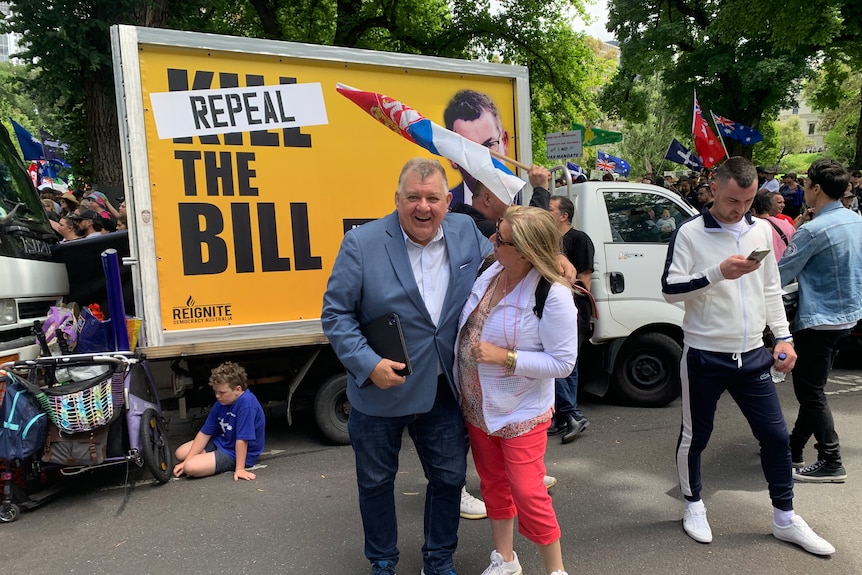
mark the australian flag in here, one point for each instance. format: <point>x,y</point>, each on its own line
<point>735,131</point>
<point>609,163</point>
<point>678,153</point>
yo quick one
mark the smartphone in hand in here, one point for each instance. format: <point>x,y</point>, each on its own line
<point>758,254</point>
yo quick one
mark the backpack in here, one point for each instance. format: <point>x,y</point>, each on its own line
<point>584,303</point>
<point>23,424</point>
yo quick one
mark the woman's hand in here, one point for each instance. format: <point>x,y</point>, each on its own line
<point>485,352</point>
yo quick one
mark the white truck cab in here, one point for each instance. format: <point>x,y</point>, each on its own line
<point>634,352</point>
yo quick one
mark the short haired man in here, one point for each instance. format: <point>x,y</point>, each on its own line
<point>704,195</point>
<point>776,206</point>
<point>420,263</point>
<point>485,209</point>
<point>569,420</point>
<point>825,257</point>
<point>708,269</point>
<point>475,116</point>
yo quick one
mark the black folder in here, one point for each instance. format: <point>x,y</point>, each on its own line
<point>385,337</point>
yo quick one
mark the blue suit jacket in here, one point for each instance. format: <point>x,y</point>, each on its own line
<point>372,276</point>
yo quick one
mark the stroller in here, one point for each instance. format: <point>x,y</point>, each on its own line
<point>108,413</point>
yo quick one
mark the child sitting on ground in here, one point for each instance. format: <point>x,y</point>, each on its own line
<point>232,436</point>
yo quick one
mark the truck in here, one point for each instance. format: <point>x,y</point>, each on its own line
<point>30,281</point>
<point>243,170</point>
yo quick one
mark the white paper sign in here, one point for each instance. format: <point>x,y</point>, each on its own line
<point>228,110</point>
<point>562,145</point>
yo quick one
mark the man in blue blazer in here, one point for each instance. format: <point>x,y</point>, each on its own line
<point>420,263</point>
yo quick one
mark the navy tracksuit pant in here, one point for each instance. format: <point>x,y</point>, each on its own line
<point>705,376</point>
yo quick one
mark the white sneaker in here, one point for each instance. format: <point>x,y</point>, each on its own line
<point>801,534</point>
<point>500,567</point>
<point>549,481</point>
<point>695,524</point>
<point>472,507</point>
<point>559,573</point>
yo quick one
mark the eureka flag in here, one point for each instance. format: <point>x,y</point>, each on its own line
<point>678,153</point>
<point>609,163</point>
<point>31,147</point>
<point>596,136</point>
<point>730,129</point>
<point>706,144</point>
<point>475,158</point>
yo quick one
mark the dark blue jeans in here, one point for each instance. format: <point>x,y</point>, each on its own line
<point>566,395</point>
<point>441,443</point>
<point>816,350</point>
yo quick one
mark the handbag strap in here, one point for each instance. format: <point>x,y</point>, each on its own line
<point>780,233</point>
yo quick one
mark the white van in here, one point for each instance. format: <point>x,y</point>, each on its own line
<point>634,352</point>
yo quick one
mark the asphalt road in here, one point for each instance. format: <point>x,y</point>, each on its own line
<point>617,500</point>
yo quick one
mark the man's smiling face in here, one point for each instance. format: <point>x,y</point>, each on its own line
<point>421,205</point>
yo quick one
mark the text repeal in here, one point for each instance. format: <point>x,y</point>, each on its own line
<point>230,110</point>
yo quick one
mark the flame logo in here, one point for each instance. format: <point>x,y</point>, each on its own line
<point>190,302</point>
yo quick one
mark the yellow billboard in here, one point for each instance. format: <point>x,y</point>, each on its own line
<point>258,166</point>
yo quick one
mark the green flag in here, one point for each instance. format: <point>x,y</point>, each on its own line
<point>596,137</point>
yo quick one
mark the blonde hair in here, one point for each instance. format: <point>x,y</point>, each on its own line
<point>536,236</point>
<point>230,374</point>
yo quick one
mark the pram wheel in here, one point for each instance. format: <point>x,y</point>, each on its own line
<point>154,445</point>
<point>8,513</point>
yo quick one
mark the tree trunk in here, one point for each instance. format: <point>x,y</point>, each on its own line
<point>857,157</point>
<point>103,136</point>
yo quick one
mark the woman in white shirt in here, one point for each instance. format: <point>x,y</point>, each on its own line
<point>507,361</point>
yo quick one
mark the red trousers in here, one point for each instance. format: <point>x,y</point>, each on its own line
<point>512,473</point>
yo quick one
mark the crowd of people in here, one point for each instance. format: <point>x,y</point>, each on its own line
<point>78,215</point>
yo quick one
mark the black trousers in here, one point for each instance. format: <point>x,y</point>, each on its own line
<point>816,350</point>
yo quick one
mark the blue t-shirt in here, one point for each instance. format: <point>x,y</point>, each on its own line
<point>243,419</point>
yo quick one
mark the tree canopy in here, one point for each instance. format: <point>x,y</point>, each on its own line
<point>69,42</point>
<point>746,60</point>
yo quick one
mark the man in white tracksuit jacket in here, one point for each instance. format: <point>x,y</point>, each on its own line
<point>729,299</point>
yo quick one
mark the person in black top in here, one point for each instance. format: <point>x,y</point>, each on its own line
<point>578,247</point>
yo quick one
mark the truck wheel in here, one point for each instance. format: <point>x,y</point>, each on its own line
<point>647,370</point>
<point>332,408</point>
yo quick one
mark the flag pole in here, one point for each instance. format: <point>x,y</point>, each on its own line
<point>720,135</point>
<point>509,160</point>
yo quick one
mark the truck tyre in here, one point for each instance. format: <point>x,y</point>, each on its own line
<point>647,370</point>
<point>332,408</point>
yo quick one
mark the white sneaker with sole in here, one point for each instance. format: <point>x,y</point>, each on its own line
<point>549,481</point>
<point>801,534</point>
<point>500,567</point>
<point>695,524</point>
<point>472,507</point>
